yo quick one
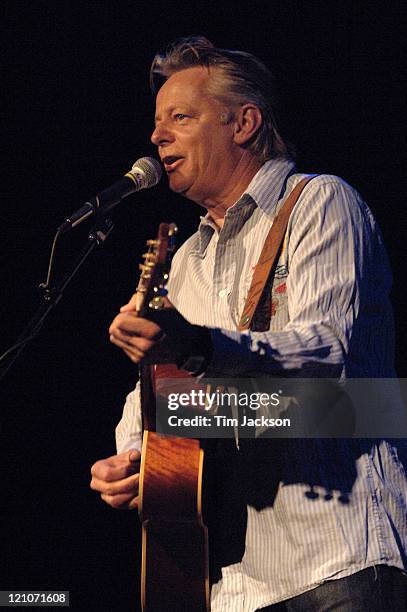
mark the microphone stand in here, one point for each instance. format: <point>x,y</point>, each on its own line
<point>53,295</point>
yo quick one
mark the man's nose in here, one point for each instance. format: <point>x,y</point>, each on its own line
<point>161,135</point>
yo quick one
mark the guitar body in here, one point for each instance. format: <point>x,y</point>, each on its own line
<point>175,572</point>
<point>174,538</point>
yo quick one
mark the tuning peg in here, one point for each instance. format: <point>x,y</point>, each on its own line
<point>156,303</point>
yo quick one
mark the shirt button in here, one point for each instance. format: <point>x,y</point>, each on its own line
<point>222,293</point>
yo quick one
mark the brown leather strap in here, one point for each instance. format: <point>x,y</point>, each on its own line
<point>269,255</point>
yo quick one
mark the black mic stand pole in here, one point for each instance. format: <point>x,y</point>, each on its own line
<point>52,295</point>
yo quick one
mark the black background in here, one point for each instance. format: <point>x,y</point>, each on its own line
<point>78,113</point>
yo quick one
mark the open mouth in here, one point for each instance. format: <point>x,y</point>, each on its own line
<point>171,162</point>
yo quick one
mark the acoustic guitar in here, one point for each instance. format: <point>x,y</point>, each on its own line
<point>174,572</point>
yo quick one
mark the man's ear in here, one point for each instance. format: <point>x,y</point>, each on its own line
<point>247,121</point>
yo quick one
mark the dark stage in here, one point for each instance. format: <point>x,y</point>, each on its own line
<point>78,114</point>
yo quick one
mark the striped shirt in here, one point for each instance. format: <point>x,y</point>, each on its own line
<point>335,506</point>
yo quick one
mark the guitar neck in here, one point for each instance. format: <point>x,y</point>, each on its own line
<point>149,294</point>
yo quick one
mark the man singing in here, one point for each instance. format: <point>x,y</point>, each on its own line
<point>325,519</point>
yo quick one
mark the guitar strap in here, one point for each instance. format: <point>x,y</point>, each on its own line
<point>257,310</point>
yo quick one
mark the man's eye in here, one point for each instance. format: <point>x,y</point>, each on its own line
<point>180,116</point>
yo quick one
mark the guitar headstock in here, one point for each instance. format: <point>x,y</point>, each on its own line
<point>154,270</point>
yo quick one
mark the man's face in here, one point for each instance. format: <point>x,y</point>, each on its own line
<point>196,148</point>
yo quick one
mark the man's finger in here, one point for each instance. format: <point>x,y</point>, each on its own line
<point>116,467</point>
<point>131,304</point>
<point>133,325</point>
<point>133,456</point>
<point>131,351</point>
<point>119,501</point>
<point>132,342</point>
<point>125,485</point>
<point>133,504</point>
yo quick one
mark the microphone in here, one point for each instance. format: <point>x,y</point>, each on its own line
<point>145,173</point>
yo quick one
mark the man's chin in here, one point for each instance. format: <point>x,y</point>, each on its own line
<point>183,189</point>
<point>180,188</point>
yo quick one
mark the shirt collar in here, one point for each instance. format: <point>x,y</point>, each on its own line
<point>264,190</point>
<point>268,185</point>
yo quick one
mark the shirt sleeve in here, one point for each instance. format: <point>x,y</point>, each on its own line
<point>128,430</point>
<point>331,236</point>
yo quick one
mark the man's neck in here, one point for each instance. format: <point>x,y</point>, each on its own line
<point>238,182</point>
